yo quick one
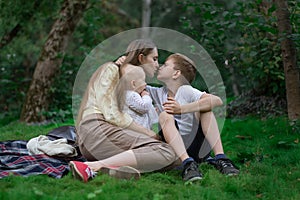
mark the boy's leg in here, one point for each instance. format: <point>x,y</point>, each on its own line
<point>172,136</point>
<point>211,131</point>
<point>199,149</point>
<point>193,150</point>
<point>212,135</point>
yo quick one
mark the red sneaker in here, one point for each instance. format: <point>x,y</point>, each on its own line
<point>123,172</point>
<point>81,171</point>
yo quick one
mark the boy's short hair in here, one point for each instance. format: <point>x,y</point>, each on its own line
<point>185,65</point>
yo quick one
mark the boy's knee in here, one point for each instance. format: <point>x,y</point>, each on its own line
<point>164,116</point>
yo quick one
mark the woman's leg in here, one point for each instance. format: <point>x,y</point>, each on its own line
<point>109,145</point>
<point>126,158</point>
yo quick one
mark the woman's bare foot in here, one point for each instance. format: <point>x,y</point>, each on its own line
<point>95,166</point>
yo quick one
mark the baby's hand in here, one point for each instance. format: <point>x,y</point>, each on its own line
<point>144,92</point>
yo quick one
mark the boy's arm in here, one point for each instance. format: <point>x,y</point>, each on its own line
<point>206,103</point>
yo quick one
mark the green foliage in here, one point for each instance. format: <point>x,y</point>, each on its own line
<point>239,35</point>
<point>19,57</point>
<point>245,36</point>
<point>266,152</point>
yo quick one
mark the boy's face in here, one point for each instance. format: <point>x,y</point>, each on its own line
<point>166,71</point>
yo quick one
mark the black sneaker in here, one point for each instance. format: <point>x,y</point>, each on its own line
<point>191,172</point>
<point>211,161</point>
<point>226,166</point>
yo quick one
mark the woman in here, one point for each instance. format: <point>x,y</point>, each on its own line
<point>108,138</point>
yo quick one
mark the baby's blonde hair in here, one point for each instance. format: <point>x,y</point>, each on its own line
<point>130,73</point>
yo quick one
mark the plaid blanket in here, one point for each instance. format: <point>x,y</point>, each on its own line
<point>15,160</point>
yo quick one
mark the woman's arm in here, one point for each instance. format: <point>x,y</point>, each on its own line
<point>105,99</point>
<point>206,103</point>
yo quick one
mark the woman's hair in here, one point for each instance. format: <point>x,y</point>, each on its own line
<point>86,94</point>
<point>185,65</point>
<point>134,49</point>
<point>137,47</point>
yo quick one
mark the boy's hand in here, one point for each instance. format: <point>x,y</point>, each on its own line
<point>171,106</point>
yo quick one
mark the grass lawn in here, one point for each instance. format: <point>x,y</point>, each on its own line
<point>266,151</point>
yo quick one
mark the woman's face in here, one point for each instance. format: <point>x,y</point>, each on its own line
<point>149,63</point>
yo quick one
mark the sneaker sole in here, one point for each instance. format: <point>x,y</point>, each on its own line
<point>124,172</point>
<point>75,172</point>
<point>192,180</point>
<point>232,174</point>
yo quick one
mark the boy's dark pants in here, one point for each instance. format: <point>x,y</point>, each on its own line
<point>194,148</point>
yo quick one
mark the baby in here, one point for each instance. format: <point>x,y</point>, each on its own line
<point>137,101</point>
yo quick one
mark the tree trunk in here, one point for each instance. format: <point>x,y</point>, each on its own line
<point>289,59</point>
<point>235,88</point>
<point>146,18</point>
<point>50,60</point>
<point>10,36</point>
<point>14,32</point>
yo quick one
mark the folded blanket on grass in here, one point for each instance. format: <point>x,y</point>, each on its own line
<point>16,160</point>
<point>42,145</point>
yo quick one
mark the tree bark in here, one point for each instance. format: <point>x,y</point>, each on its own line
<point>146,18</point>
<point>10,36</point>
<point>289,58</point>
<point>50,60</point>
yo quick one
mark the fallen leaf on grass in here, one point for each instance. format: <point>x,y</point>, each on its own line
<point>286,144</point>
<point>243,137</point>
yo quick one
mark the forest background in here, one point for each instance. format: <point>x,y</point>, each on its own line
<point>244,39</point>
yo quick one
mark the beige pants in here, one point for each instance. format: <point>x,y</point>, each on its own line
<point>98,139</point>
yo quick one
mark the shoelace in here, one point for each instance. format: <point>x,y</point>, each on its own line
<point>90,172</point>
<point>192,167</point>
<point>226,163</point>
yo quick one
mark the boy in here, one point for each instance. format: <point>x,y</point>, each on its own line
<point>138,104</point>
<point>188,111</point>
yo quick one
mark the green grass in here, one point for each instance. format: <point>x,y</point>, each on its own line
<point>267,152</point>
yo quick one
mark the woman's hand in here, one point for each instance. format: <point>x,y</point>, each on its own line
<point>140,129</point>
<point>157,137</point>
<point>171,106</point>
<point>120,60</point>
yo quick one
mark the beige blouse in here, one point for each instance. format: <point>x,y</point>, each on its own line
<point>102,97</point>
